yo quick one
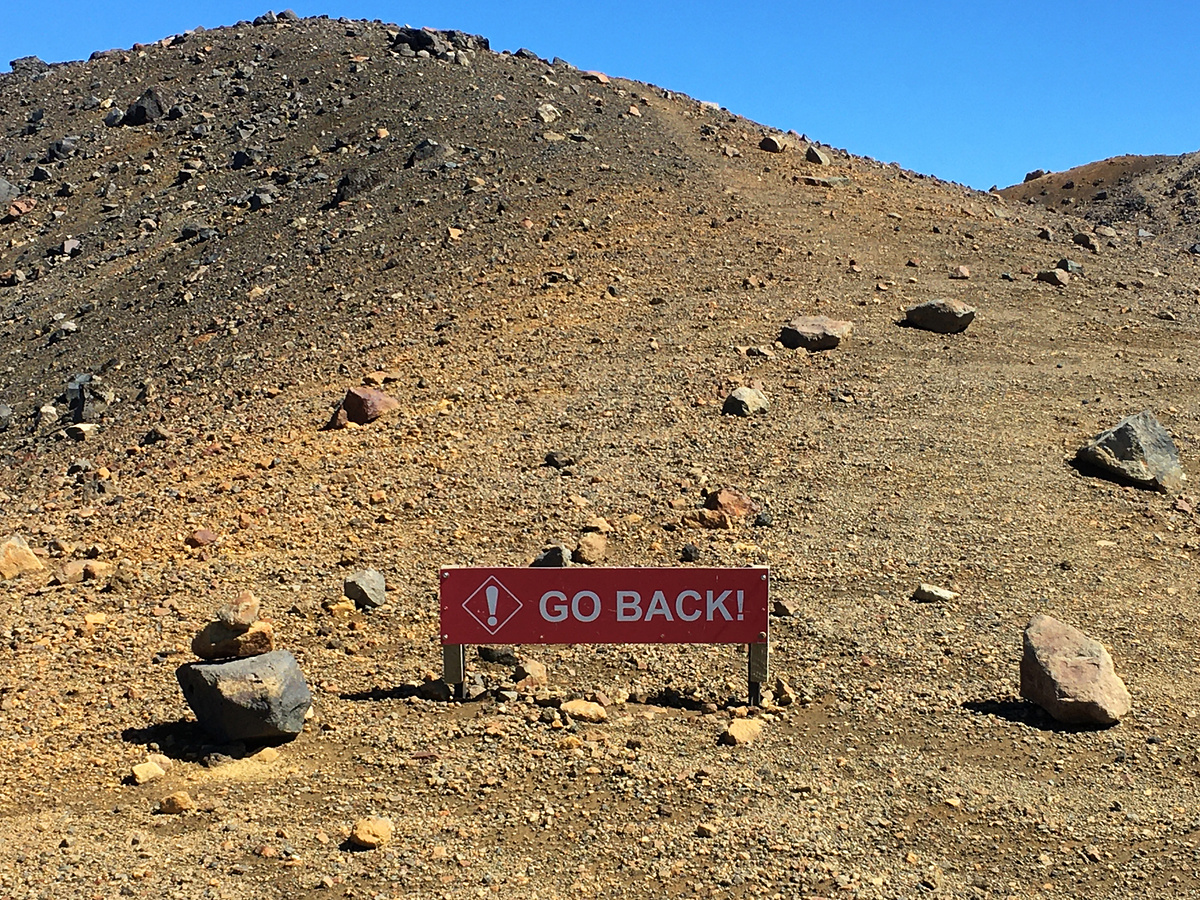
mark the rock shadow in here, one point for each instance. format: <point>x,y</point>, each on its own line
<point>400,692</point>
<point>1091,470</point>
<point>1024,712</point>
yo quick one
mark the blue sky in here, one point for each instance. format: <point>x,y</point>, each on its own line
<point>978,93</point>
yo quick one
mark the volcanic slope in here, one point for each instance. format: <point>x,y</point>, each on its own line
<point>533,259</point>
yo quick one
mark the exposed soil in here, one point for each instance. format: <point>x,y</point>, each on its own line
<point>588,285</point>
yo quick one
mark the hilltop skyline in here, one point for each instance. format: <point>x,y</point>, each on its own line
<point>977,96</point>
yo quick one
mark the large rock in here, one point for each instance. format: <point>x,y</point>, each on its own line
<point>945,316</point>
<point>1137,450</point>
<point>1070,675</point>
<point>814,333</point>
<point>8,192</point>
<point>746,401</point>
<point>17,559</point>
<point>256,699</point>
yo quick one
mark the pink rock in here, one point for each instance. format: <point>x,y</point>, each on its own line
<point>363,404</point>
<point>1070,675</point>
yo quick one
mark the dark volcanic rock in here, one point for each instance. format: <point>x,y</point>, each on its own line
<point>259,698</point>
<point>1137,450</point>
<point>150,107</point>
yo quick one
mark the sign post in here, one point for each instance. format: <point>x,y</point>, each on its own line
<point>604,606</point>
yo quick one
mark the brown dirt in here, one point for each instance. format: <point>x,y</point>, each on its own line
<point>595,296</point>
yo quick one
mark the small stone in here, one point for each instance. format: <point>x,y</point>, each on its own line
<point>362,405</point>
<point>1106,231</point>
<point>707,830</point>
<point>785,609</point>
<point>371,832</point>
<point>705,518</point>
<point>1085,240</point>
<point>930,593</point>
<point>764,519</point>
<point>1056,277</point>
<point>745,402</point>
<point>741,731</point>
<point>530,673</point>
<point>584,711</point>
<point>815,155</point>
<point>945,316</point>
<point>599,524</point>
<point>240,612</point>
<point>591,549</point>
<point>1137,450</point>
<point>548,113</point>
<point>176,804</point>
<point>17,559</point>
<point>201,537</point>
<point>146,772</point>
<point>733,503</point>
<point>266,755</point>
<point>1069,266</point>
<point>557,459</point>
<point>814,333</point>
<point>1070,675</point>
<point>219,641</point>
<point>1046,234</point>
<point>689,553</point>
<point>784,695</point>
<point>961,273</point>
<point>556,556</point>
<point>367,588</point>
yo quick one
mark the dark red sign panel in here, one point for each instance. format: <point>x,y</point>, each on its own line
<point>604,606</point>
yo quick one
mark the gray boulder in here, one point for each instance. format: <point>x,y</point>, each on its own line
<point>150,107</point>
<point>1137,450</point>
<point>1070,675</point>
<point>945,316</point>
<point>259,698</point>
<point>368,589</point>
<point>8,192</point>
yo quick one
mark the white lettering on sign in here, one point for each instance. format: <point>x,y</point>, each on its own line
<point>688,606</point>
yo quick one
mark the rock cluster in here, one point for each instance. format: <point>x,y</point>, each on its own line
<point>244,689</point>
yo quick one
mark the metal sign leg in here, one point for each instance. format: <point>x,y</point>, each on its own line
<point>759,665</point>
<point>454,668</point>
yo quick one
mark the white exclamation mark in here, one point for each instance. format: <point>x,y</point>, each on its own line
<point>493,593</point>
<point>740,599</point>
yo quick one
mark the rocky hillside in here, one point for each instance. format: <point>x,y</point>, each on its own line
<point>1160,195</point>
<point>559,276</point>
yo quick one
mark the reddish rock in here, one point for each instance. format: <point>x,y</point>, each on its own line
<point>363,404</point>
<point>1071,675</point>
<point>201,537</point>
<point>706,518</point>
<point>732,503</point>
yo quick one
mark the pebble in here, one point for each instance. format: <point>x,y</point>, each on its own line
<point>741,731</point>
<point>146,772</point>
<point>585,711</point>
<point>366,588</point>
<point>592,548</point>
<point>176,804</point>
<point>1056,277</point>
<point>745,402</point>
<point>931,593</point>
<point>371,832</point>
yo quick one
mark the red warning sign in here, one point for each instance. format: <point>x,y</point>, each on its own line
<point>604,606</point>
